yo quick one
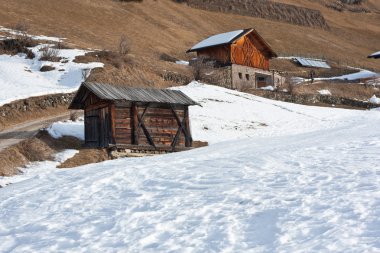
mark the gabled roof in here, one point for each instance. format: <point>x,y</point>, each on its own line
<point>375,55</point>
<point>229,38</point>
<point>114,93</point>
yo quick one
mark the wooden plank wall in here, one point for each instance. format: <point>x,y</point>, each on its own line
<point>160,123</point>
<point>221,54</point>
<point>247,52</point>
<point>123,126</point>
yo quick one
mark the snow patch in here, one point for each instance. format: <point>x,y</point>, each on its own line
<point>269,87</point>
<point>181,62</point>
<point>374,100</point>
<point>67,128</point>
<point>21,78</point>
<point>324,92</point>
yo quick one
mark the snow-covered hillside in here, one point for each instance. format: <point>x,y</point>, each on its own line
<point>21,78</point>
<point>308,181</point>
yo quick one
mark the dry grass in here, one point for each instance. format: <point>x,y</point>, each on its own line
<point>156,27</point>
<point>86,156</point>
<point>29,150</point>
<point>291,68</point>
<point>340,89</point>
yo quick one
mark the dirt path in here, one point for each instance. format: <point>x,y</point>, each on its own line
<point>25,130</point>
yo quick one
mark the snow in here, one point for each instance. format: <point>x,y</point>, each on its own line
<point>324,92</point>
<point>362,74</point>
<point>374,100</point>
<point>181,62</point>
<point>38,169</point>
<point>34,37</point>
<point>308,181</point>
<point>269,87</point>
<point>67,128</point>
<point>218,39</point>
<point>21,78</point>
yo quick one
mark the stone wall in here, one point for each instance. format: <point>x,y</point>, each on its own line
<point>35,103</point>
<point>220,76</point>
<point>314,99</point>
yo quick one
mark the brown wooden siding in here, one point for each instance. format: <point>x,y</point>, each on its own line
<point>151,125</point>
<point>221,54</point>
<point>247,52</point>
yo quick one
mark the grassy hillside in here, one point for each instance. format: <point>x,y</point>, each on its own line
<point>163,26</point>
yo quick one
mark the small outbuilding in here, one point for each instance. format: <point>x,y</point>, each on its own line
<point>134,118</point>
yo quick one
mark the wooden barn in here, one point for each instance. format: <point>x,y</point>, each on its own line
<point>134,118</point>
<point>243,55</point>
<point>242,47</point>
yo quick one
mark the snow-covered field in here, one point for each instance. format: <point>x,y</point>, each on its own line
<point>277,177</point>
<point>21,78</point>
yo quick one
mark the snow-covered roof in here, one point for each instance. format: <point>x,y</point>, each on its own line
<point>219,39</point>
<point>375,55</point>
<point>229,38</point>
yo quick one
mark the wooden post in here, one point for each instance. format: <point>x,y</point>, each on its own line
<point>135,123</point>
<point>188,138</point>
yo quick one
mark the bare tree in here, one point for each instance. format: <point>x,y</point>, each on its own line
<point>22,28</point>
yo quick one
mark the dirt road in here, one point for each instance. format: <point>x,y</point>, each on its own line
<point>25,130</point>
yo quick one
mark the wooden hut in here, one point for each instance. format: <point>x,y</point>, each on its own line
<point>134,118</point>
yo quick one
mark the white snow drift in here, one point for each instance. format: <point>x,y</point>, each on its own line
<point>306,182</point>
<point>21,78</point>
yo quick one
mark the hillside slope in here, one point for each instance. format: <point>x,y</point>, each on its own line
<point>165,26</point>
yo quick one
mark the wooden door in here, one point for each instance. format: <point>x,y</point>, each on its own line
<point>91,123</point>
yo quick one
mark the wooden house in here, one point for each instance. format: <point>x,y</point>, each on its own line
<point>134,118</point>
<point>243,53</point>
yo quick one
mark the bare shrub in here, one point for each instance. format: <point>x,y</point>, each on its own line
<point>198,68</point>
<point>22,28</point>
<point>124,45</point>
<point>49,54</point>
<point>74,115</point>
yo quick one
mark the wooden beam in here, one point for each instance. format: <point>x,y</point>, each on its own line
<point>181,128</point>
<point>142,125</point>
<point>113,121</point>
<point>135,123</point>
<point>188,138</point>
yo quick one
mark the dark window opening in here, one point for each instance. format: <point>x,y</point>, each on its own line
<point>240,75</point>
<point>247,76</point>
<point>261,79</point>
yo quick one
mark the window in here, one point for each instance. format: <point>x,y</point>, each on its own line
<point>261,79</point>
<point>247,77</point>
<point>240,75</point>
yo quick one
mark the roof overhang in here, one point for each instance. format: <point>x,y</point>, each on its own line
<point>107,92</point>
